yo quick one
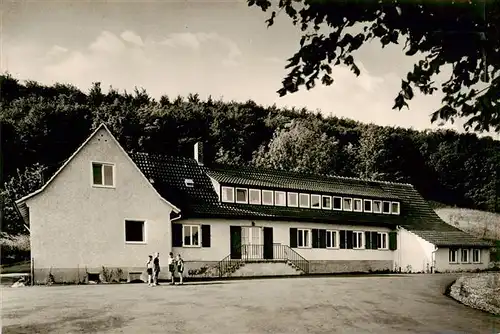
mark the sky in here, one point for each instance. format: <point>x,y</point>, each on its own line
<point>220,48</point>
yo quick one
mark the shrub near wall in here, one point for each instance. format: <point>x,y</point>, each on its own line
<point>14,248</point>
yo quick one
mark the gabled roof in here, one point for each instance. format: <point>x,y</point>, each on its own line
<point>21,202</point>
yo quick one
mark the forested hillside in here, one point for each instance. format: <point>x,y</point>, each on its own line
<point>43,125</point>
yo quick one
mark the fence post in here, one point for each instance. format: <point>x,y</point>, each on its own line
<point>32,271</point>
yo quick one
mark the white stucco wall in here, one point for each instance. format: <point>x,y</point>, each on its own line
<point>414,253</point>
<point>443,264</point>
<point>220,241</point>
<point>75,224</point>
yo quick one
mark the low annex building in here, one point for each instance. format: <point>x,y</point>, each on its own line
<point>108,208</point>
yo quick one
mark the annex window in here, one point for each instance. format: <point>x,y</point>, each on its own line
<point>135,231</point>
<point>316,201</point>
<point>386,207</point>
<point>303,237</point>
<point>337,203</point>
<point>395,208</point>
<point>382,240</point>
<point>332,238</point>
<point>357,240</point>
<point>377,206</point>
<point>476,256</point>
<point>304,200</point>
<point>228,194</point>
<point>280,198</point>
<point>254,196</point>
<point>464,256</point>
<point>358,205</point>
<point>367,205</point>
<point>241,195</point>
<point>191,235</point>
<point>453,255</point>
<point>103,174</point>
<point>293,199</point>
<point>326,202</point>
<point>267,197</point>
<point>347,204</point>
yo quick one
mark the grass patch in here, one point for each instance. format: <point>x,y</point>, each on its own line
<point>20,267</point>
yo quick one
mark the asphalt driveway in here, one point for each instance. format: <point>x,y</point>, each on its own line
<point>374,304</point>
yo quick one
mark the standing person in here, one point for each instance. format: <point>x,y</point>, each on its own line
<point>149,266</point>
<point>171,267</point>
<point>156,268</point>
<point>180,267</point>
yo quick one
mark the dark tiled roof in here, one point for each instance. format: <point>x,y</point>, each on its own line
<point>167,175</point>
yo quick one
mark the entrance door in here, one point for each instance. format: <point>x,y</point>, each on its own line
<point>251,239</point>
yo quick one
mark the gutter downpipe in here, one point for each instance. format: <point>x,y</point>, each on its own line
<point>398,228</point>
<point>176,218</point>
<point>433,259</point>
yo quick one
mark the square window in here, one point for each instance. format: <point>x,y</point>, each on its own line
<point>191,235</point>
<point>327,202</point>
<point>316,201</point>
<point>280,198</point>
<point>382,240</point>
<point>304,200</point>
<point>103,174</point>
<point>241,195</point>
<point>332,239</point>
<point>395,208</point>
<point>476,256</point>
<point>303,238</point>
<point>337,203</point>
<point>293,199</point>
<point>135,231</point>
<point>228,194</point>
<point>267,197</point>
<point>358,205</point>
<point>254,196</point>
<point>358,240</point>
<point>377,206</point>
<point>367,205</point>
<point>347,204</point>
<point>386,207</point>
<point>453,255</point>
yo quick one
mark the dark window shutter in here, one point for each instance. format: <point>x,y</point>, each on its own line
<point>374,240</point>
<point>343,237</point>
<point>349,236</point>
<point>205,236</point>
<point>322,238</point>
<point>368,240</point>
<point>315,238</point>
<point>393,240</point>
<point>176,235</point>
<point>293,237</point>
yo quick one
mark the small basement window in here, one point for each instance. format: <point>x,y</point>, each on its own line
<point>267,197</point>
<point>347,204</point>
<point>395,208</point>
<point>386,207</point>
<point>377,206</point>
<point>228,194</point>
<point>367,205</point>
<point>316,201</point>
<point>358,205</point>
<point>327,202</point>
<point>241,195</point>
<point>304,200</point>
<point>103,174</point>
<point>189,183</point>
<point>280,198</point>
<point>337,203</point>
<point>293,199</point>
<point>135,231</point>
<point>254,196</point>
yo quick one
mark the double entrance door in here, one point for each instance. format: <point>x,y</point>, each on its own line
<point>251,242</point>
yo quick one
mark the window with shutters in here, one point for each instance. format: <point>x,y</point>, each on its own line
<point>382,238</point>
<point>358,240</point>
<point>303,238</point>
<point>191,235</point>
<point>332,239</point>
<point>103,174</point>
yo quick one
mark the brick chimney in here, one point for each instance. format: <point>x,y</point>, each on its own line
<point>198,153</point>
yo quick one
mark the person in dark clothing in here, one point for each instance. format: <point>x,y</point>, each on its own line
<point>149,266</point>
<point>156,268</point>
<point>180,267</point>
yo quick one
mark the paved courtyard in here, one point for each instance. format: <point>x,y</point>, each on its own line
<point>392,304</point>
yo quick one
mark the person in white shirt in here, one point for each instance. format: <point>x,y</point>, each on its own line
<point>171,267</point>
<point>149,266</point>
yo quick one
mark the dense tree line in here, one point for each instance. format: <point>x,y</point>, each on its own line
<point>43,125</point>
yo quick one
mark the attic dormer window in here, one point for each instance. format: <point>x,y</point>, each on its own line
<point>189,183</point>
